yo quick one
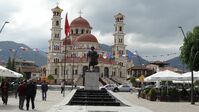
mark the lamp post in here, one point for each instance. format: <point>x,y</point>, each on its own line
<point>182,31</point>
<point>184,38</point>
<point>192,76</point>
<point>3,25</point>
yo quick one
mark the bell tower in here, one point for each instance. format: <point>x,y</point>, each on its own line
<point>54,44</point>
<point>118,49</point>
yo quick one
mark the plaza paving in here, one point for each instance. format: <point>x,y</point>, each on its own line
<point>55,98</point>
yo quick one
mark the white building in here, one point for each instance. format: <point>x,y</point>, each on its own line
<point>69,53</point>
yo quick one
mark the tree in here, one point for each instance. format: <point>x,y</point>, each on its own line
<point>13,65</point>
<point>133,80</point>
<point>9,64</point>
<point>190,49</point>
<point>50,77</point>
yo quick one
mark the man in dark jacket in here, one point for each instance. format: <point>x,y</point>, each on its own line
<point>30,94</point>
<point>4,90</point>
<point>21,91</point>
<point>44,89</point>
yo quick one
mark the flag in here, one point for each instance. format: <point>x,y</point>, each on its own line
<point>36,49</point>
<point>12,50</point>
<point>67,27</point>
<point>24,49</point>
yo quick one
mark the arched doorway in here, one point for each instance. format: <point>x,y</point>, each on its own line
<point>106,72</point>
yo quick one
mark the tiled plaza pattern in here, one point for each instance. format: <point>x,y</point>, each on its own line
<point>54,98</point>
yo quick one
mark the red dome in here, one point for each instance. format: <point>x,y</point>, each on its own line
<point>86,38</point>
<point>80,22</point>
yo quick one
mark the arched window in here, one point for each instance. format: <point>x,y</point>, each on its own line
<point>120,28</point>
<point>71,31</point>
<point>82,31</point>
<point>55,71</point>
<point>76,31</point>
<point>57,23</point>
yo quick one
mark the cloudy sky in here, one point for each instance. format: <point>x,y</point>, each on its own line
<point>151,26</point>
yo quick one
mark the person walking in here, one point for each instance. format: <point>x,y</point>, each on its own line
<point>4,91</point>
<point>44,89</point>
<point>21,91</point>
<point>30,93</point>
<point>62,86</point>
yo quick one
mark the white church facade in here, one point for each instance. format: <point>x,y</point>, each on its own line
<point>67,56</point>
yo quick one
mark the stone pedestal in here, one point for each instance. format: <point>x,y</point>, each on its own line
<point>91,80</point>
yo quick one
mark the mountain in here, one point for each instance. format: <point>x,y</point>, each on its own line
<point>18,50</point>
<point>137,60</point>
<point>176,62</point>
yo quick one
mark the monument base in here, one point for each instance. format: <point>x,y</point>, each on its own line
<point>91,80</point>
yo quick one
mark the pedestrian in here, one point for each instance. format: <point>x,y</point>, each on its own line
<point>30,93</point>
<point>4,91</point>
<point>44,89</point>
<point>21,91</point>
<point>62,86</point>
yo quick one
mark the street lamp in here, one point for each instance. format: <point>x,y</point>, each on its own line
<point>3,26</point>
<point>182,31</point>
<point>184,38</point>
<point>192,76</point>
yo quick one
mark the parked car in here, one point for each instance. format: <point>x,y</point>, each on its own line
<point>125,88</point>
<point>112,87</point>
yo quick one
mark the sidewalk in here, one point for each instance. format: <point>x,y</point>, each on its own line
<point>157,106</point>
<point>53,97</point>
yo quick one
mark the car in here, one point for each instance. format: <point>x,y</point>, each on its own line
<point>124,88</point>
<point>112,87</point>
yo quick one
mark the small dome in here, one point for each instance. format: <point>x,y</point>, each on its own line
<point>80,22</point>
<point>87,38</point>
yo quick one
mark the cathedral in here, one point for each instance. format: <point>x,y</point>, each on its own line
<point>67,56</point>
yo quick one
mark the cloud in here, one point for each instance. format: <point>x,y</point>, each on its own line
<point>151,27</point>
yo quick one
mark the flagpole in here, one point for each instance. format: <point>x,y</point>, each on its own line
<point>67,33</point>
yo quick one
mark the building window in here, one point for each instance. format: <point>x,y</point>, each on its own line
<point>71,31</point>
<point>55,71</point>
<point>120,28</point>
<point>87,31</point>
<point>57,23</point>
<point>76,31</point>
<point>56,60</point>
<point>82,31</point>
<point>56,35</point>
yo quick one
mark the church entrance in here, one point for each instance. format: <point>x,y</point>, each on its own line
<point>106,72</point>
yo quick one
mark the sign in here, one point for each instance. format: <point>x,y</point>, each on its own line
<point>141,78</point>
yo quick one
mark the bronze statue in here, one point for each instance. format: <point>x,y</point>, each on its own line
<point>93,58</point>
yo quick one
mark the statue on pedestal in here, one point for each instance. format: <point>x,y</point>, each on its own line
<point>92,56</point>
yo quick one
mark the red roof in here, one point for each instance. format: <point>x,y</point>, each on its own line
<point>80,22</point>
<point>86,38</point>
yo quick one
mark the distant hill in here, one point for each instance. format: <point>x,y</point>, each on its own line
<point>40,57</point>
<point>176,62</point>
<point>6,51</point>
<point>132,56</point>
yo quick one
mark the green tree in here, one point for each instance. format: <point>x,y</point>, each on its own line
<point>50,77</point>
<point>190,49</point>
<point>9,63</point>
<point>133,80</point>
<point>13,65</point>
